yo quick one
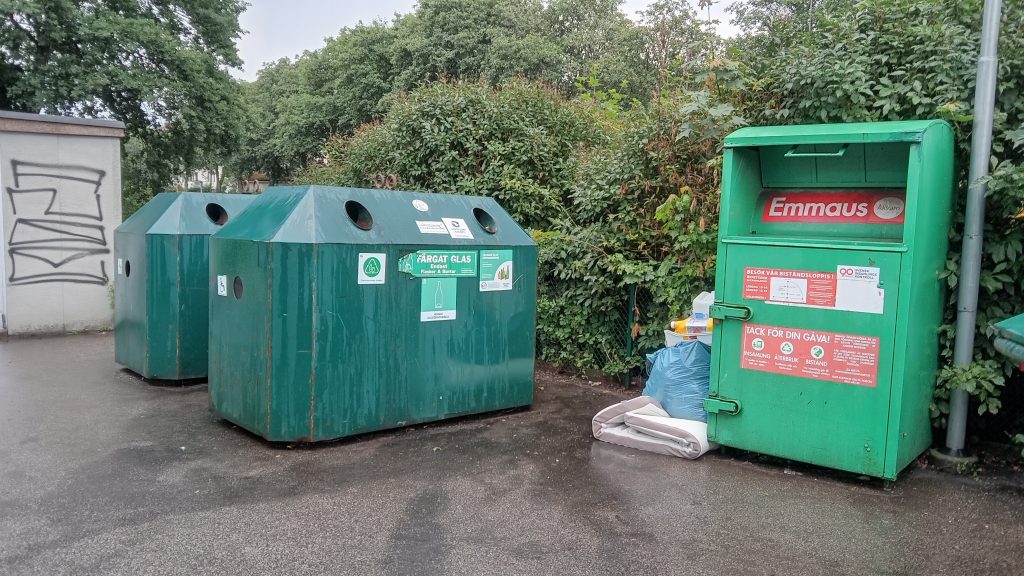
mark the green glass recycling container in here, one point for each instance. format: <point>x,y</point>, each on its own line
<point>337,311</point>
<point>161,300</point>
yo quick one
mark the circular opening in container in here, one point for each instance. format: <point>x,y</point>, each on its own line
<point>359,215</point>
<point>127,268</point>
<point>238,288</point>
<point>217,214</point>
<point>485,220</point>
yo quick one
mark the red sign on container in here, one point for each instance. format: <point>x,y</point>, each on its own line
<point>847,207</point>
<point>843,358</point>
<point>790,286</point>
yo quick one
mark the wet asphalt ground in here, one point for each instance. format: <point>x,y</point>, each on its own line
<point>101,473</point>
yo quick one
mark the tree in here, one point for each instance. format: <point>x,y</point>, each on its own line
<point>353,74</point>
<point>494,40</point>
<point>280,133</point>
<point>293,106</point>
<point>668,44</point>
<point>771,25</point>
<point>585,30</point>
<point>159,66</point>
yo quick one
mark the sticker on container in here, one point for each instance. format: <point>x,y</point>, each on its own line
<point>850,288</point>
<point>222,285</point>
<point>495,270</point>
<point>830,356</point>
<point>793,287</point>
<point>847,207</point>
<point>120,266</point>
<point>437,299</point>
<point>457,228</point>
<point>857,289</point>
<point>426,263</point>
<point>431,227</point>
<point>371,268</point>
<point>420,205</point>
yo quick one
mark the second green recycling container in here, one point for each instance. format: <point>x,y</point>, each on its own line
<point>335,311</point>
<point>161,285</point>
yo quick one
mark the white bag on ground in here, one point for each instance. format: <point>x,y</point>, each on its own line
<point>641,423</point>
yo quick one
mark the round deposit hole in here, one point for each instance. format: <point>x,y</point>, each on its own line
<point>217,214</point>
<point>239,288</point>
<point>485,220</point>
<point>359,215</point>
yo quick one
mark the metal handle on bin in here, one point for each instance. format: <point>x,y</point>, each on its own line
<point>792,153</point>
<point>717,405</point>
<point>733,311</point>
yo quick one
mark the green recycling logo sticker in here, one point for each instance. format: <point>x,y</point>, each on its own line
<point>786,348</point>
<point>371,268</point>
<point>817,352</point>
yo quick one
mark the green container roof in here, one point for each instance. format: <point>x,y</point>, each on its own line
<point>866,132</point>
<point>330,215</point>
<point>185,213</point>
<point>1012,329</point>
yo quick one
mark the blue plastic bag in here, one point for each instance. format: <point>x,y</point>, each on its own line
<point>679,379</point>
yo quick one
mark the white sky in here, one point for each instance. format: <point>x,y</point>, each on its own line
<point>286,28</point>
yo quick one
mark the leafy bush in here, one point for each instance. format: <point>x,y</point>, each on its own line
<point>982,380</point>
<point>519,144</point>
<point>643,213</point>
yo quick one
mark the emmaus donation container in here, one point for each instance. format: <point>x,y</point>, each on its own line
<point>828,292</point>
<point>336,311</point>
<point>161,288</point>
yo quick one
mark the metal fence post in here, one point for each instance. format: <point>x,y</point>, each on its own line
<point>627,379</point>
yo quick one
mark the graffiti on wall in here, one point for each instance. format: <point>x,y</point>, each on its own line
<point>58,233</point>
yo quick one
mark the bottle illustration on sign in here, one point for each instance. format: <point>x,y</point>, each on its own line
<point>437,299</point>
<point>495,270</point>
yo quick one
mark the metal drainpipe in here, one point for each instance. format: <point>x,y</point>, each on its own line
<point>974,219</point>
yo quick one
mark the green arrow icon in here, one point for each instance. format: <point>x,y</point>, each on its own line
<point>371,267</point>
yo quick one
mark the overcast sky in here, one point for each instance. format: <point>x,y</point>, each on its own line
<point>285,28</point>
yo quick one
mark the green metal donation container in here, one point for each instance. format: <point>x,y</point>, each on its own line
<point>828,292</point>
<point>1010,339</point>
<point>161,289</point>
<point>336,311</point>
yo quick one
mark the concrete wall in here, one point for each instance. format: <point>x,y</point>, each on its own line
<point>61,197</point>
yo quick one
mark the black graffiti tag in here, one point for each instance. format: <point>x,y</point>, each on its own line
<point>58,235</point>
